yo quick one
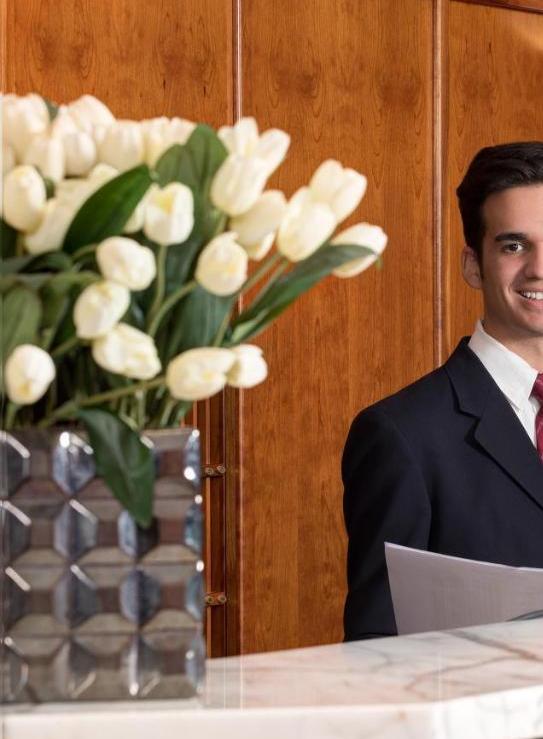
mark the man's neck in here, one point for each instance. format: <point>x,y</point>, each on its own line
<point>529,348</point>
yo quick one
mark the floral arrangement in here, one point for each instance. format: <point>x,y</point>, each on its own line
<point>125,246</point>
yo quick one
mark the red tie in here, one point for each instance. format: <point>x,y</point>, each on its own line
<point>537,392</point>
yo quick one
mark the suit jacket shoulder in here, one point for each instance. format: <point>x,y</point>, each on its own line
<point>445,465</point>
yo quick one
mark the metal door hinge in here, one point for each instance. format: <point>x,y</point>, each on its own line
<point>213,470</point>
<point>215,599</point>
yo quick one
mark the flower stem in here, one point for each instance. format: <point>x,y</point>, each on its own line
<point>166,413</point>
<point>253,279</point>
<point>11,412</point>
<point>84,251</point>
<point>220,226</point>
<point>61,349</point>
<point>160,281</point>
<point>276,275</point>
<point>217,341</point>
<point>170,301</point>
<point>70,407</point>
<point>260,272</point>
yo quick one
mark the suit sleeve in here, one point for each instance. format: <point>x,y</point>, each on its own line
<point>385,499</point>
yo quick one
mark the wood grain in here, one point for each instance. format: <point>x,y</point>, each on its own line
<point>351,81</point>
<point>405,92</point>
<point>143,59</point>
<point>140,58</point>
<point>495,72</point>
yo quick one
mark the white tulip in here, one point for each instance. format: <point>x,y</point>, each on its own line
<point>63,125</point>
<point>306,225</point>
<point>180,130</point>
<point>125,261</point>
<point>238,184</point>
<point>24,198</point>
<point>88,113</point>
<point>362,234</point>
<point>199,373</point>
<point>161,133</point>
<point>169,214</point>
<point>222,265</point>
<point>341,189</point>
<point>122,145</point>
<point>102,173</point>
<point>76,191</point>
<point>241,138</point>
<point>22,119</point>
<point>80,153</point>
<point>244,139</point>
<point>8,158</point>
<point>250,367</point>
<point>46,154</point>
<point>137,218</point>
<point>49,236</point>
<point>127,351</point>
<point>257,227</point>
<point>99,308</point>
<point>28,373</point>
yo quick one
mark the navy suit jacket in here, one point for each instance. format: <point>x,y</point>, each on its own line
<point>443,465</point>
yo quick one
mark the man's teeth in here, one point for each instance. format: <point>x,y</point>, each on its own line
<point>532,295</point>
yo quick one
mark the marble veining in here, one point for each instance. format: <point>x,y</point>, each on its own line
<point>478,683</point>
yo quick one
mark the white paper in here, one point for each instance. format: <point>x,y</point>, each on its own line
<point>435,591</point>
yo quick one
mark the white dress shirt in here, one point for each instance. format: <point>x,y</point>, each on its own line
<point>512,374</point>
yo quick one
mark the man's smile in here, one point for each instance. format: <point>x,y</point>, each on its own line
<point>532,295</point>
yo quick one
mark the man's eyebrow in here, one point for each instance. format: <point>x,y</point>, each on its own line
<point>511,236</point>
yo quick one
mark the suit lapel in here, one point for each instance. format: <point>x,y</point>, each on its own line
<point>498,431</point>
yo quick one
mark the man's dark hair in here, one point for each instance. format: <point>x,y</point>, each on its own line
<point>495,168</point>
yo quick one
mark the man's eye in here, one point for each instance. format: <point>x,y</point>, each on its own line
<point>514,247</point>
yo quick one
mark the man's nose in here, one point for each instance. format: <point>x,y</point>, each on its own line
<point>534,267</point>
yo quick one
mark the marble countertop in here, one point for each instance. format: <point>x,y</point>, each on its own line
<point>477,683</point>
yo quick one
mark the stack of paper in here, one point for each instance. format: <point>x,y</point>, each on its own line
<point>435,591</point>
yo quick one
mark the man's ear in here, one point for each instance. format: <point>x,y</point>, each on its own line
<point>471,269</point>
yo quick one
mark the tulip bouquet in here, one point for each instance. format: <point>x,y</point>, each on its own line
<point>125,247</point>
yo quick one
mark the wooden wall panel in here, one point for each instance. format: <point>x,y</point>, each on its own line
<point>496,95</point>
<point>352,81</point>
<point>143,59</point>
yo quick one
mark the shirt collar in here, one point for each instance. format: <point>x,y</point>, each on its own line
<point>512,374</point>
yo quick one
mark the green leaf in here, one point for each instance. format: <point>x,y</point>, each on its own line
<point>123,460</point>
<point>64,281</point>
<point>49,186</point>
<point>52,108</point>
<point>193,163</point>
<point>8,240</point>
<point>55,294</point>
<point>287,288</point>
<point>169,166</point>
<point>55,261</point>
<point>32,281</point>
<point>108,209</point>
<point>21,316</point>
<point>196,321</point>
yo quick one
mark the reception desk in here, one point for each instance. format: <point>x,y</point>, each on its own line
<point>477,683</point>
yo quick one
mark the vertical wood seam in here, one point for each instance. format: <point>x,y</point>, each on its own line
<point>437,177</point>
<point>3,47</point>
<point>233,499</point>
<point>237,61</point>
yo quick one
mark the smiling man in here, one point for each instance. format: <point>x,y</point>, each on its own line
<point>454,462</point>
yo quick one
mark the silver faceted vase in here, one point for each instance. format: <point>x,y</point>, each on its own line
<point>93,606</point>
